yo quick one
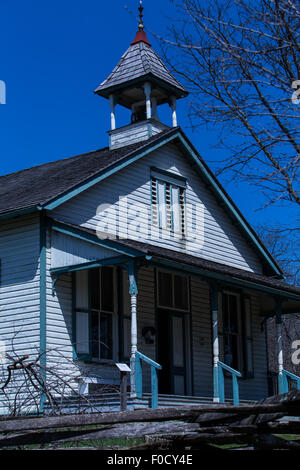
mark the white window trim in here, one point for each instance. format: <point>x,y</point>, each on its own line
<point>159,209</point>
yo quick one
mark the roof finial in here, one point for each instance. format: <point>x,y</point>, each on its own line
<point>141,35</point>
<point>141,9</point>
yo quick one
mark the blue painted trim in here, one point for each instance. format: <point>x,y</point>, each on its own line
<point>154,388</point>
<point>139,378</point>
<point>230,369</point>
<point>11,215</point>
<point>218,372</point>
<point>230,280</point>
<point>235,388</point>
<point>148,360</point>
<point>133,288</point>
<point>169,177</point>
<point>283,384</point>
<point>89,237</point>
<point>43,305</point>
<point>116,260</point>
<point>282,387</point>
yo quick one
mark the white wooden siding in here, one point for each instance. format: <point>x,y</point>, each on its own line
<point>19,290</point>
<point>133,133</point>
<point>223,242</point>
<point>68,251</point>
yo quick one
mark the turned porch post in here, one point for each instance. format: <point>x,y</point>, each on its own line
<point>279,346</point>
<point>133,291</point>
<point>215,313</point>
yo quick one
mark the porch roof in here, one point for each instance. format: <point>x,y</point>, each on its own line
<point>209,270</point>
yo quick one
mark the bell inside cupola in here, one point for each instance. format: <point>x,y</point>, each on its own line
<point>140,82</point>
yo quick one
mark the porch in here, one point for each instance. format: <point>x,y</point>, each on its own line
<point>186,326</point>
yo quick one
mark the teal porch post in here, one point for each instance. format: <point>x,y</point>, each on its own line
<point>133,291</point>
<point>281,387</point>
<point>215,311</point>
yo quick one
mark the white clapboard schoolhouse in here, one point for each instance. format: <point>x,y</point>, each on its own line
<point>136,254</point>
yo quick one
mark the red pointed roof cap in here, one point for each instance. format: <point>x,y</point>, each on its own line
<point>140,37</point>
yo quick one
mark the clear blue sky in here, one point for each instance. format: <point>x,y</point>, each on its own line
<point>53,55</point>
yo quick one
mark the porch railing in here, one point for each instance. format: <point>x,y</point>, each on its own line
<point>139,357</point>
<point>235,387</point>
<point>283,382</point>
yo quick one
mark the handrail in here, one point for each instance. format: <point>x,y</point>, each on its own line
<point>139,377</point>
<point>283,381</point>
<point>235,388</point>
<point>148,360</point>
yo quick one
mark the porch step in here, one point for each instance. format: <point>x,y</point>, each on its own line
<point>107,402</point>
<point>183,400</point>
<point>95,403</point>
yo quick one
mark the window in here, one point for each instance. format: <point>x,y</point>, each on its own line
<point>168,202</point>
<point>95,314</point>
<point>232,331</point>
<point>235,330</point>
<point>248,345</point>
<point>173,291</point>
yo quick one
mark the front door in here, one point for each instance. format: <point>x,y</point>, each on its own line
<point>171,352</point>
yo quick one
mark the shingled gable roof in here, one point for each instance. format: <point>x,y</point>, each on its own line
<point>39,185</point>
<point>138,62</point>
<point>49,185</point>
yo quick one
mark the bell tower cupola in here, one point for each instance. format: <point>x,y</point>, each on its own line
<point>140,82</point>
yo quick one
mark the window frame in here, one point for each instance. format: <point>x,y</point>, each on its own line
<point>242,349</point>
<point>239,334</point>
<point>87,357</point>
<point>174,181</point>
<point>247,373</point>
<point>172,273</point>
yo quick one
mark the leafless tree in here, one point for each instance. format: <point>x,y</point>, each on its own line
<point>284,244</point>
<point>240,60</point>
<point>26,380</point>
